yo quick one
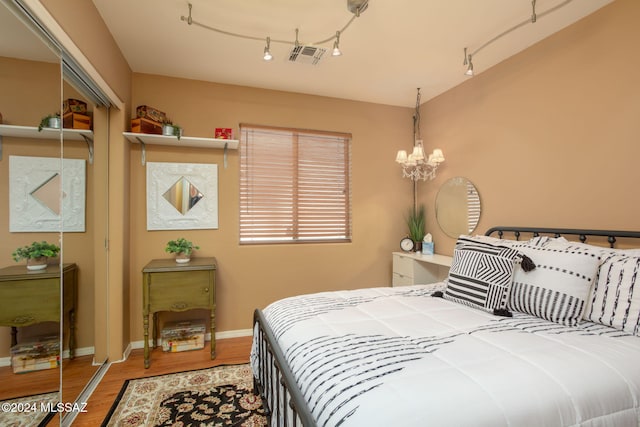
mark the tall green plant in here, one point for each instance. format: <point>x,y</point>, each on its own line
<point>416,224</point>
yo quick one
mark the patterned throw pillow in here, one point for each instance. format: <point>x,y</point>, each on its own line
<point>615,298</point>
<point>481,274</point>
<point>557,290</point>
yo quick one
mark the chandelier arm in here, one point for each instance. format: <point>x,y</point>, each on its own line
<point>191,21</point>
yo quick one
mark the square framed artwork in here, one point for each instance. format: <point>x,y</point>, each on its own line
<point>182,196</point>
<point>46,194</point>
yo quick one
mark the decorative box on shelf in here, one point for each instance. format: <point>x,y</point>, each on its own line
<point>182,336</point>
<point>142,125</point>
<point>150,113</point>
<point>37,355</point>
<point>76,121</point>
<point>74,106</point>
<point>224,133</point>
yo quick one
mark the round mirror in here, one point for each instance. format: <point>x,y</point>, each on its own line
<point>458,207</point>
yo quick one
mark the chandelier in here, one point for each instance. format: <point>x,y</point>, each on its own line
<point>417,165</point>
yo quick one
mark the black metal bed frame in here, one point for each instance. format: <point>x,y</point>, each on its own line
<point>275,382</point>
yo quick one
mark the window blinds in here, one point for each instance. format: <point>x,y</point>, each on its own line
<point>294,185</point>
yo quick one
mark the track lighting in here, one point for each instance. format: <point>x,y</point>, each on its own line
<point>531,20</point>
<point>468,62</point>
<point>267,53</point>
<point>356,7</point>
<point>336,45</point>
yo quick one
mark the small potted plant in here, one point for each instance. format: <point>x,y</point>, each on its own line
<point>50,121</point>
<point>37,254</point>
<point>182,248</point>
<point>171,129</point>
<point>416,224</point>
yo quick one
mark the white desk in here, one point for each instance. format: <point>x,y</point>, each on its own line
<point>410,268</point>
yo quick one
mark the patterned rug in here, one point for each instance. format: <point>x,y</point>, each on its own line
<point>219,396</point>
<point>28,411</point>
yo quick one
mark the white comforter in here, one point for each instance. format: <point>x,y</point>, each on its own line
<point>399,357</point>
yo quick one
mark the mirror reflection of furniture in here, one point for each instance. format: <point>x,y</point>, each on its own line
<point>458,207</point>
<point>28,298</point>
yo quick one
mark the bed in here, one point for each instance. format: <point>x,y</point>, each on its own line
<point>533,327</point>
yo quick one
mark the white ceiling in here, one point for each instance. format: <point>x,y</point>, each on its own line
<point>393,48</point>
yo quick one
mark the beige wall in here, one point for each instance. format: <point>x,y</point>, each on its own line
<point>550,137</point>
<point>253,276</point>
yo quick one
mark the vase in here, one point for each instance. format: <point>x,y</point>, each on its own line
<point>167,130</point>
<point>54,122</point>
<point>417,246</point>
<point>34,264</point>
<point>182,258</point>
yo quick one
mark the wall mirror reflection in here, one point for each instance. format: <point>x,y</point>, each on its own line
<point>183,195</point>
<point>458,207</point>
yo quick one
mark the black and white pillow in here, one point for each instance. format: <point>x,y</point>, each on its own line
<point>558,289</point>
<point>615,297</point>
<point>481,274</point>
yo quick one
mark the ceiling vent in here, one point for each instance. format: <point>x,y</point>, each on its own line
<point>306,54</point>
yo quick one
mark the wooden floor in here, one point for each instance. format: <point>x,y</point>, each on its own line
<point>228,351</point>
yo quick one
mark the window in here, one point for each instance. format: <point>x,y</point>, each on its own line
<point>294,186</point>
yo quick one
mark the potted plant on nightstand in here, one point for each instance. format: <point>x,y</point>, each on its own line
<point>182,248</point>
<point>51,121</point>
<point>37,254</point>
<point>416,224</point>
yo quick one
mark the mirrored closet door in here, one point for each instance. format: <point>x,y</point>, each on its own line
<point>53,188</point>
<point>30,89</point>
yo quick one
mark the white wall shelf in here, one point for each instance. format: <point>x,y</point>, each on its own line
<point>185,141</point>
<point>48,133</point>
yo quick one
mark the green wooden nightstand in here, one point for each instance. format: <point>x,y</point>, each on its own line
<point>30,297</point>
<point>169,286</point>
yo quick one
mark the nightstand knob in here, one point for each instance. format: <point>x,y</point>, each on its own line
<point>206,289</point>
<point>179,305</point>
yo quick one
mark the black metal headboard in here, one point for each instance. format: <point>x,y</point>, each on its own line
<point>611,235</point>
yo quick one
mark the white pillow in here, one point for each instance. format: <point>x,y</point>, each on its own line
<point>558,288</point>
<point>615,298</point>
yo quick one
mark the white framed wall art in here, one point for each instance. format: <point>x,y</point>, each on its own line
<point>182,196</point>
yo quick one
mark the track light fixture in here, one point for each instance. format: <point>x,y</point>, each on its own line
<point>267,50</point>
<point>468,62</point>
<point>356,7</point>
<point>336,45</point>
<point>532,19</point>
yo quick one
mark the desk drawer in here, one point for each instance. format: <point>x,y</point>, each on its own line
<point>403,265</point>
<point>402,280</point>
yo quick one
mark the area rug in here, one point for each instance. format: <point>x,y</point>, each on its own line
<point>29,411</point>
<point>218,396</point>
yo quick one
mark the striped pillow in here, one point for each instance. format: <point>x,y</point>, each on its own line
<point>615,298</point>
<point>481,274</point>
<point>557,290</point>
